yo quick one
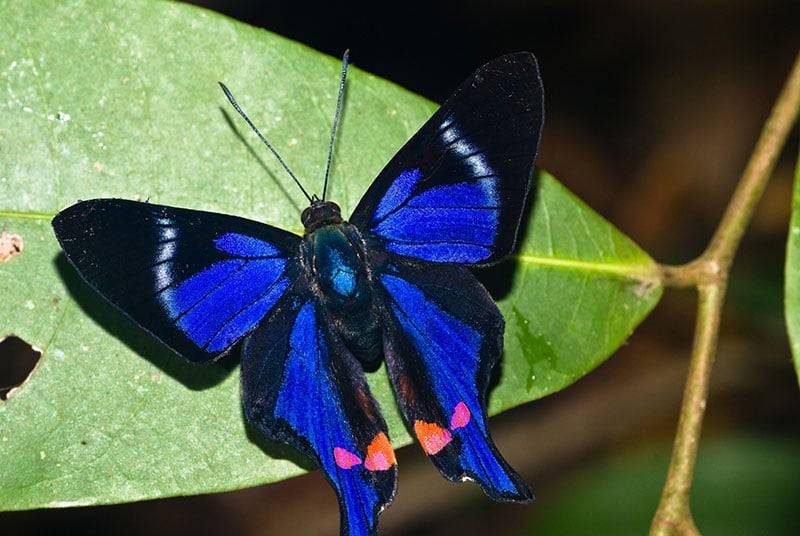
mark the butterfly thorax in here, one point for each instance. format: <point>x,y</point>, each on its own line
<point>333,254</point>
<point>336,266</point>
<point>335,261</point>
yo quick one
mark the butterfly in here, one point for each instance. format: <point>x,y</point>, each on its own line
<point>391,284</point>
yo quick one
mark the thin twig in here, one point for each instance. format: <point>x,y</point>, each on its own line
<point>689,275</point>
<point>709,274</point>
<point>674,515</point>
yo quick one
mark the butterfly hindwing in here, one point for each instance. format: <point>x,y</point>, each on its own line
<point>198,281</point>
<point>443,336</point>
<point>454,193</point>
<point>301,386</point>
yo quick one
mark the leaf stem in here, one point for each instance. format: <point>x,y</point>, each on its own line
<point>709,273</point>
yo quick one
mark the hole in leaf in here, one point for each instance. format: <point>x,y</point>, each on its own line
<point>17,361</point>
<point>10,245</point>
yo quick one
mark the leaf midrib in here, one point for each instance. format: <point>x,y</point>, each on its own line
<point>44,216</point>
<point>631,270</point>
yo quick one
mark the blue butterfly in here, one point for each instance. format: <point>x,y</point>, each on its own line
<point>314,312</point>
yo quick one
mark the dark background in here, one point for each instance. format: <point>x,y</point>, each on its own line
<point>652,110</point>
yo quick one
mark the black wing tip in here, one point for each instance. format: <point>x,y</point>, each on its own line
<point>524,495</point>
<point>62,217</point>
<point>521,67</point>
<point>521,495</point>
<point>58,220</point>
<point>455,473</point>
<point>79,209</point>
<point>520,57</point>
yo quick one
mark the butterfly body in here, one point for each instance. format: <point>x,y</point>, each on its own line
<point>390,284</point>
<point>335,259</point>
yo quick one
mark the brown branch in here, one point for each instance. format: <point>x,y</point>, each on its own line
<point>709,274</point>
<point>690,275</point>
<point>674,515</point>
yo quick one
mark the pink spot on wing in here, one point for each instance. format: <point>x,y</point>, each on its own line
<point>460,417</point>
<point>377,462</point>
<point>344,458</point>
<point>380,456</point>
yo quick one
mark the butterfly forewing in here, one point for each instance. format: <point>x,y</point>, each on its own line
<point>454,193</point>
<point>197,281</point>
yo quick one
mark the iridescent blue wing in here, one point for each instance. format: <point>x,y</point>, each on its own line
<point>197,281</point>
<point>301,386</point>
<point>456,190</point>
<point>443,335</point>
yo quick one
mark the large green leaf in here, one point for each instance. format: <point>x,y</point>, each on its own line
<point>120,99</point>
<point>792,286</point>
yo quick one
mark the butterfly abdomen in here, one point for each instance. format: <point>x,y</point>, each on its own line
<point>334,256</point>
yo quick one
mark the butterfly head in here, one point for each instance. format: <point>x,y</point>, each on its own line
<point>320,213</point>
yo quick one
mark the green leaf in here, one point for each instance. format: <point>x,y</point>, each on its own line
<point>120,99</point>
<point>792,297</point>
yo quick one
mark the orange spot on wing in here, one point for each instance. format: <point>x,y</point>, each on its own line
<point>432,437</point>
<point>380,455</point>
<point>344,458</point>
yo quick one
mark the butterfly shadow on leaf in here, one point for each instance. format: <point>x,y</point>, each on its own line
<point>194,377</point>
<point>229,120</point>
<point>499,279</point>
<point>276,451</point>
<point>140,342</point>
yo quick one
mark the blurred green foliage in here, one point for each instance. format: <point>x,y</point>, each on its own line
<point>744,485</point>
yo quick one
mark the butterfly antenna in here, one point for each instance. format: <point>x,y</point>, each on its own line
<point>260,135</point>
<point>339,102</point>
